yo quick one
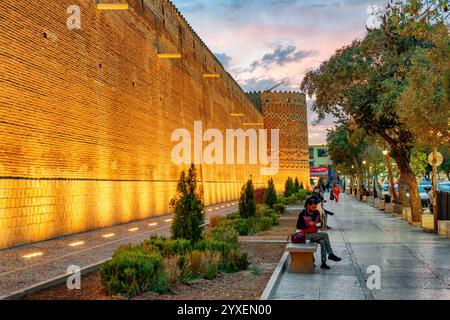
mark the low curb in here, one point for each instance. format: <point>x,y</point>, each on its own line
<point>51,283</point>
<point>275,278</point>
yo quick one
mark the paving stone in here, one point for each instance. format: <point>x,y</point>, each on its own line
<point>413,264</point>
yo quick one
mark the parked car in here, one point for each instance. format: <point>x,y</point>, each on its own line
<point>444,186</point>
<point>426,184</point>
<point>423,196</point>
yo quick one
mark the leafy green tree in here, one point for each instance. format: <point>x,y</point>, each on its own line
<point>346,147</point>
<point>188,208</point>
<point>247,202</point>
<point>363,82</point>
<point>270,196</point>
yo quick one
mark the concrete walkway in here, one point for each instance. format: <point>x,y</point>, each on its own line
<point>25,267</point>
<point>414,264</point>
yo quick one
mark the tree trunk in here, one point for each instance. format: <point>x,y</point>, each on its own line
<point>410,179</point>
<point>391,179</point>
<point>402,191</point>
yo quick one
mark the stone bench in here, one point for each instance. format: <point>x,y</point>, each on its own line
<point>302,257</point>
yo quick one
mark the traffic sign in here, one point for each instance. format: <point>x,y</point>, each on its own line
<point>439,159</point>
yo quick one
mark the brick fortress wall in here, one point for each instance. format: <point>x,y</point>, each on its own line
<point>287,111</point>
<point>86,116</point>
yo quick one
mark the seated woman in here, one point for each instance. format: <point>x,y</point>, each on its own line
<point>308,223</point>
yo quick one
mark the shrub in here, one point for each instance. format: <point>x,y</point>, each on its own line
<point>259,195</point>
<point>214,221</point>
<point>172,269</point>
<point>168,247</point>
<point>247,203</point>
<point>262,210</point>
<point>289,187</point>
<point>188,208</point>
<point>234,261</point>
<point>266,223</point>
<point>132,271</point>
<point>296,185</point>
<point>270,196</point>
<point>234,215</point>
<point>203,264</point>
<point>279,208</point>
<point>243,226</point>
<point>226,232</point>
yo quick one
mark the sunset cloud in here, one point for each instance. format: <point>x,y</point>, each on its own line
<point>264,42</point>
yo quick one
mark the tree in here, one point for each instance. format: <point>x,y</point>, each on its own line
<point>361,83</point>
<point>346,147</point>
<point>188,208</point>
<point>270,196</point>
<point>247,203</point>
<point>425,103</point>
<point>296,185</point>
<point>289,188</point>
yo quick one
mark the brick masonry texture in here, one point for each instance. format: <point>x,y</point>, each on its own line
<point>86,117</point>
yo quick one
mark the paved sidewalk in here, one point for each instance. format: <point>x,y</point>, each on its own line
<point>30,265</point>
<point>414,264</point>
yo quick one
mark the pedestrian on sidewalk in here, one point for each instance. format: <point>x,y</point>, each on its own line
<point>336,192</point>
<point>309,223</point>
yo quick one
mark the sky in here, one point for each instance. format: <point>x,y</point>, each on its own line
<point>264,42</point>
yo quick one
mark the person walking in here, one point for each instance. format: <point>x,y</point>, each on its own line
<point>336,192</point>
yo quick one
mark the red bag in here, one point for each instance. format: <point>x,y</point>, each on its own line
<point>298,238</point>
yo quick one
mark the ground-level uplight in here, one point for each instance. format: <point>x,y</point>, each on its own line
<point>76,244</point>
<point>153,224</point>
<point>133,229</point>
<point>168,220</point>
<point>32,255</point>
<point>109,235</point>
<point>385,152</point>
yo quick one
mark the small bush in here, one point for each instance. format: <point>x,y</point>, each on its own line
<point>172,269</point>
<point>234,215</point>
<point>234,261</point>
<point>247,203</point>
<point>133,271</point>
<point>203,264</point>
<point>254,270</point>
<point>279,208</point>
<point>296,185</point>
<point>266,223</point>
<point>262,210</point>
<point>243,226</point>
<point>169,247</point>
<point>289,188</point>
<point>214,221</point>
<point>188,208</point>
<point>226,232</point>
<point>270,196</point>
